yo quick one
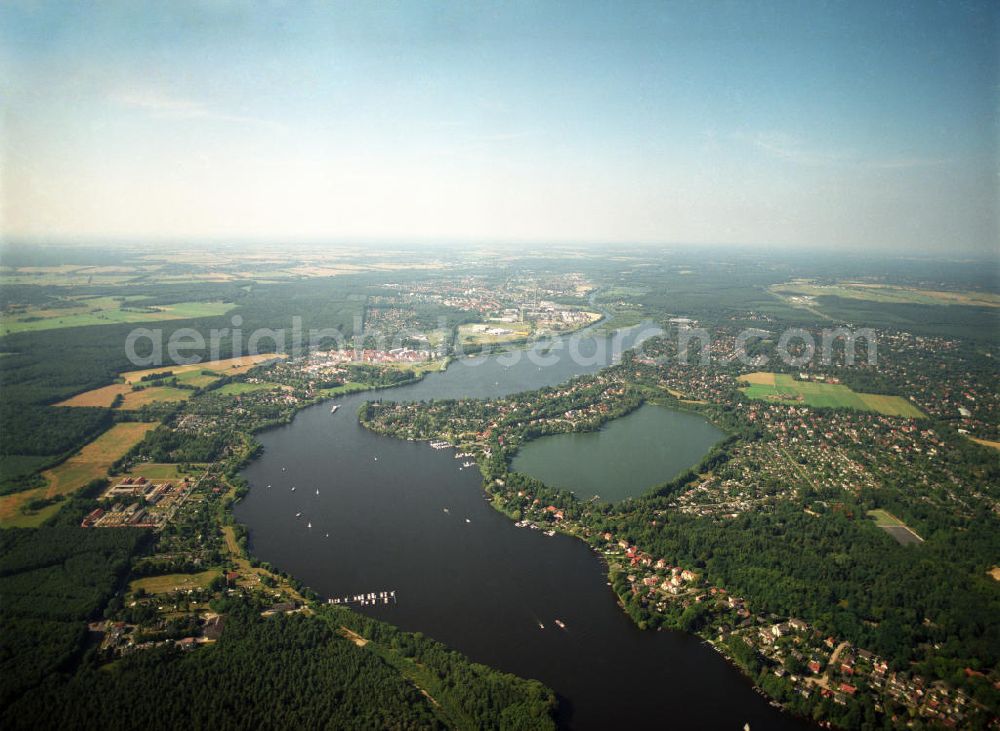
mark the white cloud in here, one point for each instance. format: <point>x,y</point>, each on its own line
<point>163,105</point>
<point>788,147</point>
<point>792,149</point>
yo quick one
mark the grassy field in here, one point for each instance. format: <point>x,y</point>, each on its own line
<point>783,388</point>
<point>759,379</point>
<point>106,311</point>
<point>426,366</point>
<point>174,582</point>
<point>620,318</point>
<point>234,389</point>
<point>198,379</point>
<point>32,519</point>
<point>88,464</point>
<point>349,387</point>
<point>890,405</point>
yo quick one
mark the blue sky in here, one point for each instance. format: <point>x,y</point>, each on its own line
<point>850,125</point>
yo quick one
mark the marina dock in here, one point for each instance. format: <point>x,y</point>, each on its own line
<point>368,599</point>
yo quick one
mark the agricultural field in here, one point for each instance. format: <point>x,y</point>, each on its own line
<point>88,464</point>
<point>894,527</point>
<point>102,397</point>
<point>197,379</point>
<point>225,367</point>
<point>75,275</point>
<point>782,387</point>
<point>81,312</point>
<point>153,394</point>
<point>168,583</point>
<point>198,376</point>
<point>888,293</point>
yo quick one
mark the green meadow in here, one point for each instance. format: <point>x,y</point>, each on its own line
<point>782,387</point>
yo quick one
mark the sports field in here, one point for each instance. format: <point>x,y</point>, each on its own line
<point>782,387</point>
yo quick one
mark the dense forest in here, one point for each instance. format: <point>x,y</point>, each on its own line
<point>52,581</point>
<point>285,672</point>
<point>288,671</point>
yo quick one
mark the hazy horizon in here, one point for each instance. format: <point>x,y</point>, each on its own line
<point>782,125</point>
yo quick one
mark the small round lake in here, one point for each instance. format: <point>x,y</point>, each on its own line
<point>625,458</point>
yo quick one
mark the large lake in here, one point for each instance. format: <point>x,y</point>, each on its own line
<point>625,458</point>
<point>468,577</point>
